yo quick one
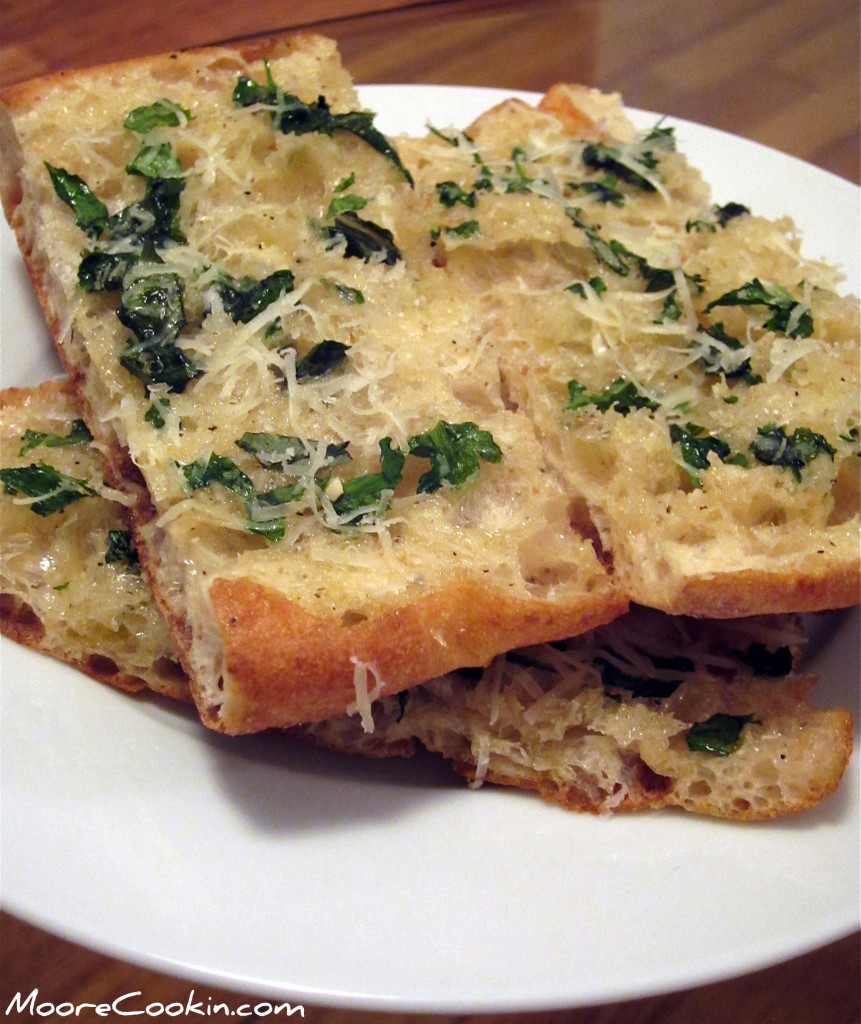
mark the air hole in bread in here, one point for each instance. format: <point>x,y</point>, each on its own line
<point>650,781</point>
<point>15,612</point>
<point>699,789</point>
<point>167,668</point>
<point>773,517</point>
<point>352,618</point>
<point>101,665</point>
<point>846,493</point>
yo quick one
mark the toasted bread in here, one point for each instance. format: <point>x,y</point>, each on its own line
<point>600,723</point>
<point>280,596</point>
<point>620,720</point>
<point>67,585</point>
<point>652,407</point>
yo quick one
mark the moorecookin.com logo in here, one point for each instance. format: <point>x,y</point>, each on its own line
<point>130,1005</point>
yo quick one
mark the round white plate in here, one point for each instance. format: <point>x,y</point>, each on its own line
<point>262,866</point>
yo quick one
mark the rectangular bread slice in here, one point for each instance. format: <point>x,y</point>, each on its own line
<point>647,712</point>
<point>325,478</point>
<point>693,377</point>
<point>70,584</point>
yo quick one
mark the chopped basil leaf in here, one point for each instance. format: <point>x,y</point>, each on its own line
<point>155,218</point>
<point>321,359</point>
<point>720,359</point>
<point>259,522</point>
<point>450,193</point>
<point>785,309</point>
<point>661,138</point>
<point>155,160</point>
<point>774,447</point>
<point>364,239</point>
<point>601,157</point>
<point>104,271</point>
<point>343,204</point>
<point>152,307</point>
<point>622,396</point>
<point>639,686</point>
<point>160,114</point>
<point>121,548</point>
<point>272,450</point>
<point>217,469</point>
<point>766,662</point>
<point>699,225</point>
<point>293,116</point>
<point>155,414</point>
<point>347,293</point>
<point>78,434</point>
<point>452,140</point>
<point>465,230</point>
<point>597,284</point>
<point>159,363</point>
<point>720,734</point>
<point>91,214</point>
<point>55,490</point>
<point>670,310</point>
<point>345,183</point>
<point>454,450</point>
<point>724,214</point>
<point>603,191</point>
<point>611,254</point>
<point>366,491</point>
<point>243,298</point>
<point>697,445</point>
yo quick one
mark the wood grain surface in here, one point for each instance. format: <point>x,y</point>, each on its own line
<point>782,72</point>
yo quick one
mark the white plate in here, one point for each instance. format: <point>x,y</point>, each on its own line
<point>269,868</point>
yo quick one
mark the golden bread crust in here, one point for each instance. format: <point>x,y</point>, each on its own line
<point>284,665</point>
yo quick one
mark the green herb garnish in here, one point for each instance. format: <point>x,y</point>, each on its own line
<point>79,434</point>
<point>450,193</point>
<point>722,360</point>
<point>155,160</point>
<point>774,447</point>
<point>321,359</point>
<point>454,450</point>
<point>638,686</point>
<point>55,490</point>
<point>121,548</point>
<point>160,114</point>
<point>721,734</point>
<point>366,494</point>
<point>697,445</point>
<point>245,297</point>
<point>293,116</point>
<point>729,211</point>
<point>621,395</point>
<point>274,450</point>
<point>785,309</point>
<point>363,239</point>
<point>91,214</point>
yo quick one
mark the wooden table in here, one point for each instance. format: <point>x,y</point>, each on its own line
<point>782,72</point>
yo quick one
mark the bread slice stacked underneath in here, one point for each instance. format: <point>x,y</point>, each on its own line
<point>649,711</point>
<point>70,582</point>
